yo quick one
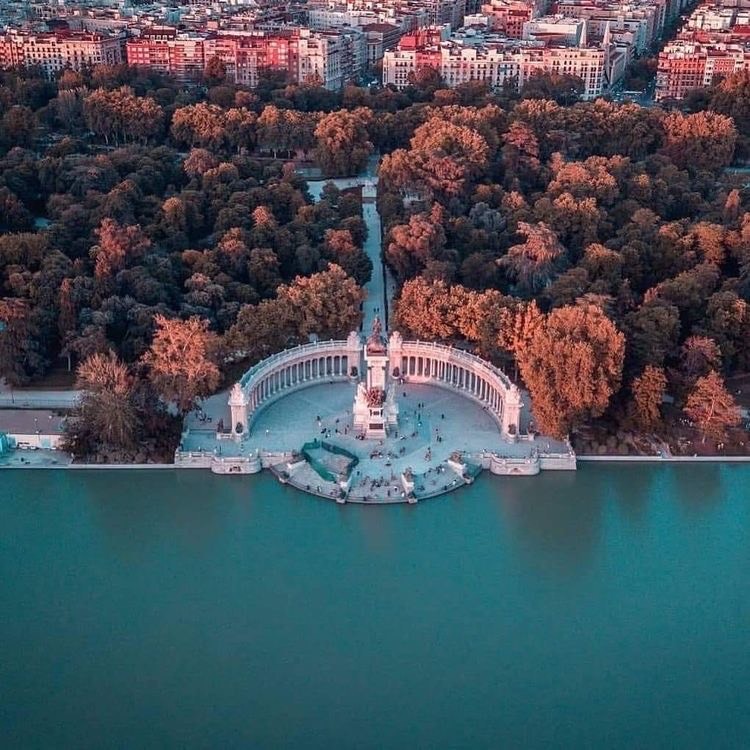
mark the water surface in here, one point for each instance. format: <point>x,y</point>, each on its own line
<point>608,608</point>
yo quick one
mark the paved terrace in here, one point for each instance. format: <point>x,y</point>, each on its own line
<point>425,439</point>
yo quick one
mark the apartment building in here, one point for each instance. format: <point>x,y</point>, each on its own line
<point>644,20</point>
<point>165,51</point>
<point>379,37</point>
<point>333,57</point>
<point>499,62</point>
<point>508,17</point>
<point>57,50</point>
<point>713,43</point>
<point>685,65</point>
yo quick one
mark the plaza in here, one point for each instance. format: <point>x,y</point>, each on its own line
<point>434,424</point>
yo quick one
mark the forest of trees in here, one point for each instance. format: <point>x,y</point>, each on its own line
<point>597,251</point>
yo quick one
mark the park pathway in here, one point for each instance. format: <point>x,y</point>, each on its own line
<point>30,398</point>
<point>381,286</point>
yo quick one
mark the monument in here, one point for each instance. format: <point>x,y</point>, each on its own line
<point>375,408</point>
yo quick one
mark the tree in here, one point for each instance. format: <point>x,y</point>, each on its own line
<point>479,318</point>
<point>448,156</point>
<point>182,361</point>
<point>13,214</point>
<point>414,244</point>
<point>326,303</point>
<point>215,71</point>
<point>17,126</point>
<point>107,413</point>
<point>21,357</point>
<point>520,155</point>
<point>427,309</point>
<point>201,125</point>
<point>653,332</point>
<point>532,263</point>
<point>342,142</point>
<point>342,251</point>
<point>198,162</point>
<point>105,419</point>
<point>519,323</point>
<point>699,355</point>
<point>263,329</point>
<point>121,115</point>
<point>726,322</point>
<point>572,366</point>
<point>263,270</point>
<point>711,407</point>
<point>562,88</point>
<point>239,127</point>
<point>732,98</point>
<point>704,140</point>
<point>118,245</point>
<point>648,392</point>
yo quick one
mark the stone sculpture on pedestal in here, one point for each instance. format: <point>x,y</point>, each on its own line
<point>375,407</point>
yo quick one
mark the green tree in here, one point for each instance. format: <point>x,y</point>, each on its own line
<point>413,245</point>
<point>342,142</point>
<point>107,413</point>
<point>703,140</point>
<point>182,361</point>
<point>533,262</point>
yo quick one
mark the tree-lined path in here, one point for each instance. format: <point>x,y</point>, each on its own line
<point>381,285</point>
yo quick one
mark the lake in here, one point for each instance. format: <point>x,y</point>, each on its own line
<point>608,608</point>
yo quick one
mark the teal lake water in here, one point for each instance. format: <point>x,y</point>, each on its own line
<point>604,609</point>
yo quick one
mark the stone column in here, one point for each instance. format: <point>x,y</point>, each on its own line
<point>395,355</point>
<point>354,354</point>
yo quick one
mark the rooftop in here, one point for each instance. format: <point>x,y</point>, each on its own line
<point>29,421</point>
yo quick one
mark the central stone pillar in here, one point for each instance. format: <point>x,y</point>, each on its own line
<point>375,406</point>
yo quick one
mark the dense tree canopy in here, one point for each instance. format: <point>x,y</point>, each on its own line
<point>608,231</point>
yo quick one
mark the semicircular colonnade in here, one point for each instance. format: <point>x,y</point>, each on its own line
<point>412,361</point>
